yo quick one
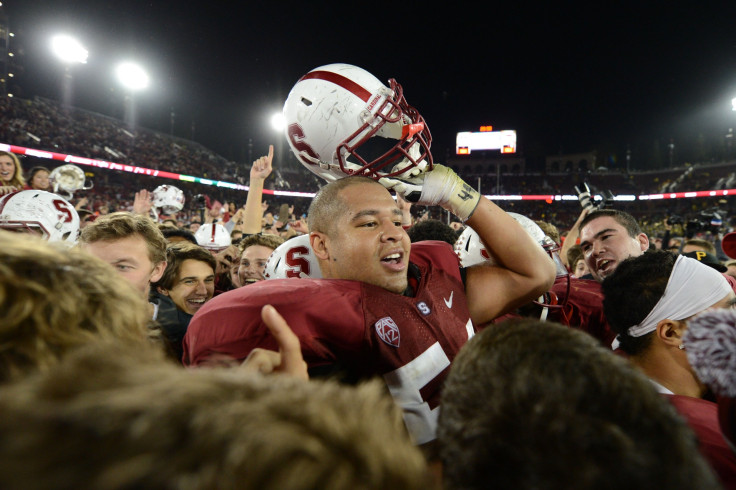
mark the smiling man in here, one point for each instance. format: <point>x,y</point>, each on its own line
<point>383,306</point>
<point>185,286</point>
<point>254,253</point>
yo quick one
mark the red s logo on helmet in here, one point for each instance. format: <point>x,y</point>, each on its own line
<point>296,262</point>
<point>296,136</point>
<point>63,208</point>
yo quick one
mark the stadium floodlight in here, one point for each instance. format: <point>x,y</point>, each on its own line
<point>68,49</point>
<point>132,76</point>
<point>278,121</point>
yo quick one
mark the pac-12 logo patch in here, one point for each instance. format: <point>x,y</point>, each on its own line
<point>388,331</point>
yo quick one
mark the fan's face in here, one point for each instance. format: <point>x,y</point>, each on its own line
<point>129,257</point>
<point>40,180</point>
<point>7,168</point>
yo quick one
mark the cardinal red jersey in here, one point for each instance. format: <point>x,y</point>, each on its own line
<point>584,308</point>
<point>702,416</point>
<point>408,340</point>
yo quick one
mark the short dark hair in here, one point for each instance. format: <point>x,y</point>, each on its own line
<point>326,205</point>
<point>623,218</point>
<point>187,235</point>
<point>632,291</point>
<point>432,229</point>
<point>531,404</point>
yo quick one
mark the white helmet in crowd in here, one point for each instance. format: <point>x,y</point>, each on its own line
<point>40,212</point>
<point>293,258</point>
<point>334,110</point>
<point>168,199</point>
<point>471,250</point>
<point>541,238</point>
<point>212,236</point>
<point>67,179</point>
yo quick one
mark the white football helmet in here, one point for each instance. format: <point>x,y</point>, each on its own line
<point>40,212</point>
<point>293,258</point>
<point>334,110</point>
<point>168,199</point>
<point>67,179</point>
<point>213,237</point>
<point>471,250</point>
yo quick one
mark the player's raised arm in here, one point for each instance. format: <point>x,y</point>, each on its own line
<point>523,270</point>
<point>253,210</point>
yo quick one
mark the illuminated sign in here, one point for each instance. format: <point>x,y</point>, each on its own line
<point>467,142</point>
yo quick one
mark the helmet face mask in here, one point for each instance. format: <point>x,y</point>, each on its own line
<point>335,110</point>
<point>41,213</point>
<point>68,179</point>
<point>168,198</point>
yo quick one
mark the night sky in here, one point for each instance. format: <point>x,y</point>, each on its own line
<point>566,78</point>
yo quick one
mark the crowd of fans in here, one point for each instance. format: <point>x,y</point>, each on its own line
<point>576,372</point>
<point>44,124</point>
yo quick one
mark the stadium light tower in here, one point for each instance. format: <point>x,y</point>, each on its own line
<point>70,52</point>
<point>134,79</point>
<point>68,49</point>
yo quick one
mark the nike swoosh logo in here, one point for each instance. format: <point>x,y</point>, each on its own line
<point>448,302</point>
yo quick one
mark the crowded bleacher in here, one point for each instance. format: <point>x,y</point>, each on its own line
<point>36,124</point>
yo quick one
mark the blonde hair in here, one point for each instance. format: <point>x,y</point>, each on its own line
<point>17,179</point>
<point>112,418</point>
<point>115,226</point>
<point>268,241</point>
<point>53,299</point>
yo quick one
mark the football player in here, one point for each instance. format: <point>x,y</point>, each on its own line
<point>383,307</point>
<point>649,301</point>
